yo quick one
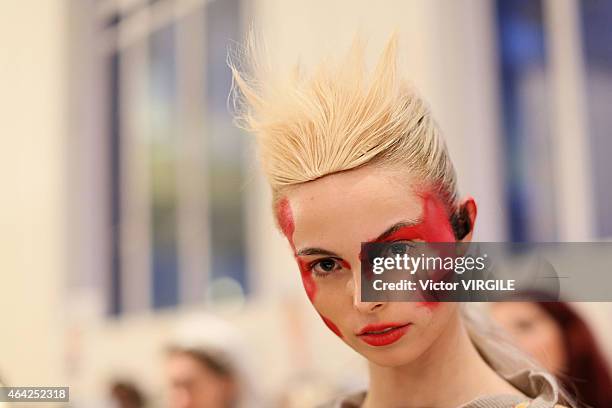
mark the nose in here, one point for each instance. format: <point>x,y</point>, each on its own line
<point>354,288</point>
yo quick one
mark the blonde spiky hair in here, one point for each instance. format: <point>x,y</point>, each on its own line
<point>339,118</point>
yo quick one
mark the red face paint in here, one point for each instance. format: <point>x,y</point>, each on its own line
<point>284,217</point>
<point>429,305</point>
<point>434,227</point>
<point>307,280</point>
<point>331,326</point>
<point>287,225</point>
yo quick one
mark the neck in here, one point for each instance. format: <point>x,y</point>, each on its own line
<point>448,374</point>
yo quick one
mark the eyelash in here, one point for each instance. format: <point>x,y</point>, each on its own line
<point>409,244</point>
<point>384,251</point>
<point>313,264</point>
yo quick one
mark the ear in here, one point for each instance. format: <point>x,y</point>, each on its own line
<point>464,219</point>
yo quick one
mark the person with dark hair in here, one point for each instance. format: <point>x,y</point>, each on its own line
<point>555,335</point>
<point>207,366</point>
<point>199,379</point>
<point>125,394</point>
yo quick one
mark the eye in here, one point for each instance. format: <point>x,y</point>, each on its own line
<point>324,267</point>
<point>397,248</point>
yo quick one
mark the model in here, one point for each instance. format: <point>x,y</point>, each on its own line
<point>351,157</point>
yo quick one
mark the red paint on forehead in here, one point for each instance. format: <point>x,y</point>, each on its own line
<point>434,227</point>
<point>331,326</point>
<point>284,217</point>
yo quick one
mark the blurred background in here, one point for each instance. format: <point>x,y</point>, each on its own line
<point>130,203</point>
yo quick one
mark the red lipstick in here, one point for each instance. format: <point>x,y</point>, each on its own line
<point>383,334</point>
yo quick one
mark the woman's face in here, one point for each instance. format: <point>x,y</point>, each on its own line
<point>326,221</point>
<point>192,384</point>
<point>534,330</point>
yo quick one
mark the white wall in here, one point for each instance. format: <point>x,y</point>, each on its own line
<point>33,123</point>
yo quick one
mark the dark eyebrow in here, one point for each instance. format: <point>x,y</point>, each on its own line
<point>315,251</point>
<point>393,229</point>
<point>388,232</point>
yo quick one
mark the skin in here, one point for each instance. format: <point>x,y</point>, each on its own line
<point>534,331</point>
<point>193,385</point>
<point>335,214</point>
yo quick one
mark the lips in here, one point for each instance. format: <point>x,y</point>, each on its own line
<point>383,334</point>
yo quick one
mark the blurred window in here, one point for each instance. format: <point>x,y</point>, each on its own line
<point>176,171</point>
<point>226,154</point>
<point>163,161</point>
<point>529,165</point>
<point>596,26</point>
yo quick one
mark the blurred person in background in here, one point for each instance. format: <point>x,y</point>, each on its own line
<point>206,366</point>
<point>559,339</point>
<point>200,379</point>
<point>125,394</point>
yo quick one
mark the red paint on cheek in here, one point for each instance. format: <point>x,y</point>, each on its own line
<point>331,326</point>
<point>430,305</point>
<point>284,217</point>
<point>344,264</point>
<point>307,280</point>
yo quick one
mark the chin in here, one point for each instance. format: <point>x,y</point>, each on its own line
<point>394,356</point>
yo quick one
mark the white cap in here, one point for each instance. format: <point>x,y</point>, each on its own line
<point>220,340</point>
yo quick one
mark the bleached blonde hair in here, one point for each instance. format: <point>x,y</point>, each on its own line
<point>339,117</point>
